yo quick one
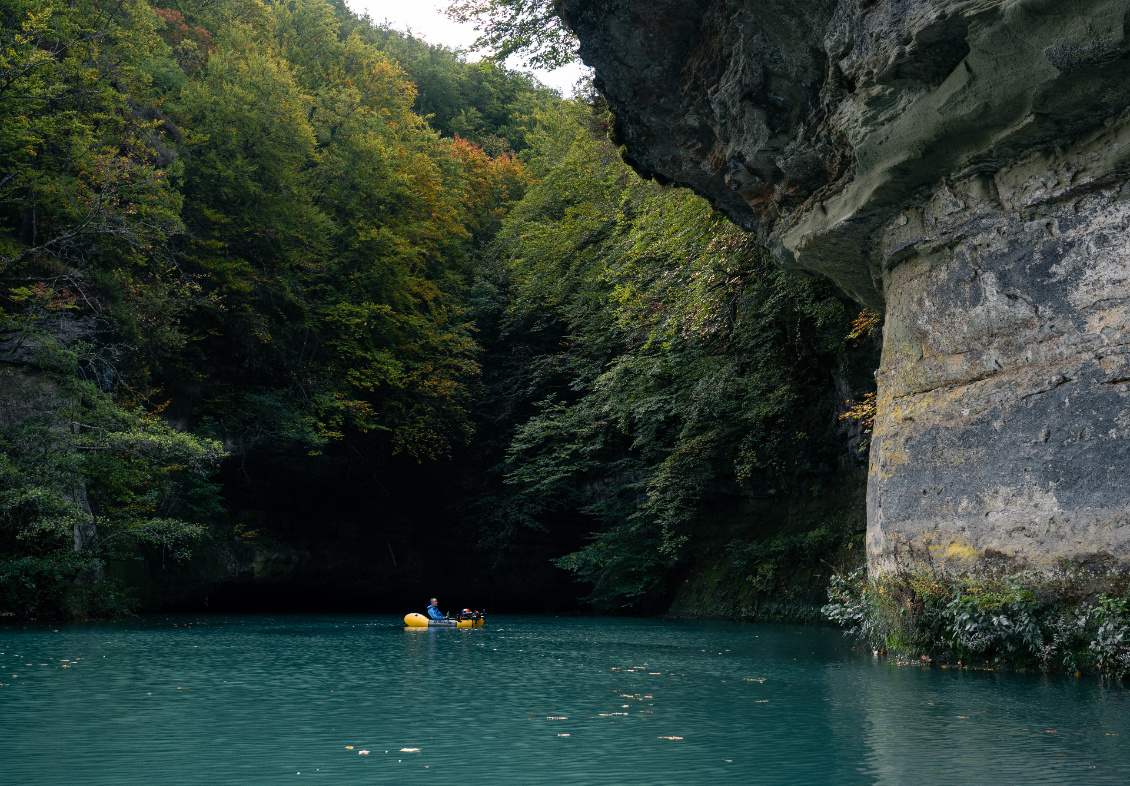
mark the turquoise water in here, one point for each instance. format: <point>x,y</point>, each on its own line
<point>526,700</point>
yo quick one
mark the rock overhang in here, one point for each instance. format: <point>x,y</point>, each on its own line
<point>964,165</point>
<point>815,123</point>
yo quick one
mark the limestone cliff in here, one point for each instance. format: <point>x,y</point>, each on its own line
<point>963,164</point>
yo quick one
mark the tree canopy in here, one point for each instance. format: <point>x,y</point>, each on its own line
<point>230,217</point>
<point>527,28</point>
<point>230,226</point>
<point>666,364</point>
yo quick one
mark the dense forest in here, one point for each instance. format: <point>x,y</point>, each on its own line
<point>296,307</point>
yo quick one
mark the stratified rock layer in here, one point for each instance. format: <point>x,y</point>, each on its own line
<point>960,163</point>
<point>1004,425</point>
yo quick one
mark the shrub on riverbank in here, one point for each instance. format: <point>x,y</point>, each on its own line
<point>1018,621</point>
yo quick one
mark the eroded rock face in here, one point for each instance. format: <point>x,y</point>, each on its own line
<point>962,164</point>
<point>810,121</point>
<point>1004,421</point>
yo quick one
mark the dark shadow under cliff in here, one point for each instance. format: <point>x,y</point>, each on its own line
<point>335,533</point>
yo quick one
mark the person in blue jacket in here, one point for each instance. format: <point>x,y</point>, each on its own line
<point>434,612</point>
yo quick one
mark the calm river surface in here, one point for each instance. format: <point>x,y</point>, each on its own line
<point>526,700</point>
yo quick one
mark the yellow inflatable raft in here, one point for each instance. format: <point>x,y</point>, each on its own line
<point>415,620</point>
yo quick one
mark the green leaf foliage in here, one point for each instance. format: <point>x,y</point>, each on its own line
<point>665,361</point>
<point>232,217</point>
<point>528,28</point>
<point>230,226</point>
<point>85,479</point>
<point>483,102</point>
<point>1024,621</point>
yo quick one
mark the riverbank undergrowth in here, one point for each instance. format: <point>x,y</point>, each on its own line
<point>1020,621</point>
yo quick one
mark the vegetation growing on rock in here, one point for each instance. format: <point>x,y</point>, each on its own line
<point>1020,621</point>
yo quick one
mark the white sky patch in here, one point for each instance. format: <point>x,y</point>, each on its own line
<point>426,19</point>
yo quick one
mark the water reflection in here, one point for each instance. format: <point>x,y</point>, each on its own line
<point>948,726</point>
<point>525,700</point>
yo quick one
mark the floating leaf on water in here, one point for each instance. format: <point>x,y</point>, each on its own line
<point>965,717</point>
<point>362,753</point>
<point>562,735</point>
<point>349,747</point>
<point>409,750</point>
<point>670,738</point>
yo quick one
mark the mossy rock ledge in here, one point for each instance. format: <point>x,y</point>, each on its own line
<point>963,165</point>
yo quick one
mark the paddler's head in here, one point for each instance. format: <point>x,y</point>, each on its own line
<point>435,603</point>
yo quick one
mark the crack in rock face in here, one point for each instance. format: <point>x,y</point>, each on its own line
<point>962,164</point>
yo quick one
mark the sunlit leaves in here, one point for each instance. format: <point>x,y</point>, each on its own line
<point>334,224</point>
<point>80,175</point>
<point>528,28</point>
<point>484,102</point>
<point>237,202</point>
